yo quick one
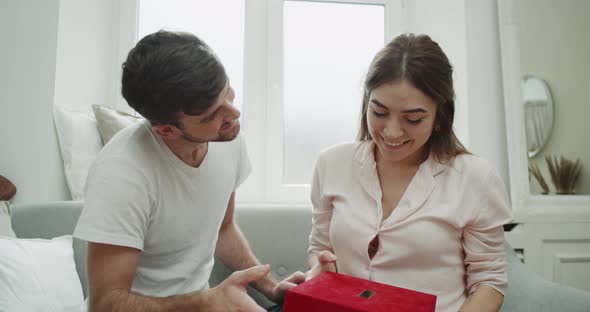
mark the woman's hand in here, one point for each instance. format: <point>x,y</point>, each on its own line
<point>325,261</point>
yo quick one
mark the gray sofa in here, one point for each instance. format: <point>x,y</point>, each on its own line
<point>278,236</point>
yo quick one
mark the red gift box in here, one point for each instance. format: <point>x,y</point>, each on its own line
<point>333,292</point>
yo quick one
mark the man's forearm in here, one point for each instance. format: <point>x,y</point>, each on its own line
<point>122,300</point>
<point>234,251</point>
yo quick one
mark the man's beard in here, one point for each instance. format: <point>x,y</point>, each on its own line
<point>221,137</point>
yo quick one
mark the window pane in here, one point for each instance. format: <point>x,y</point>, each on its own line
<point>219,23</point>
<point>327,51</point>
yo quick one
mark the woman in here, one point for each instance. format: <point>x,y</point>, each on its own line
<point>408,205</point>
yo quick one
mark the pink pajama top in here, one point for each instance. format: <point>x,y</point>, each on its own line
<point>445,237</point>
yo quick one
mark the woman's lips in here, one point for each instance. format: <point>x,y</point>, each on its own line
<point>394,146</point>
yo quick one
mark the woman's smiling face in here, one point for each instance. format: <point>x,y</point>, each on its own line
<point>400,119</point>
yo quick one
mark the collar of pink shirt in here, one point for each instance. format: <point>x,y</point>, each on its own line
<point>415,195</point>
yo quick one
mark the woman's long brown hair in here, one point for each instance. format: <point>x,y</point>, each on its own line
<point>420,61</point>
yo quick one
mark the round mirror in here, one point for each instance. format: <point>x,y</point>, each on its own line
<point>538,113</point>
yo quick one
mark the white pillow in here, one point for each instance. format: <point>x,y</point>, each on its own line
<point>37,272</point>
<point>5,224</point>
<point>40,304</point>
<point>79,142</point>
<point>110,121</point>
<point>27,303</point>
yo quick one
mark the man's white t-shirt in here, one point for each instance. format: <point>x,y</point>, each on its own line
<point>140,194</point>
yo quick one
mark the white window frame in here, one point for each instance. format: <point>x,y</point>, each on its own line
<point>262,110</point>
<point>128,11</point>
<point>264,72</point>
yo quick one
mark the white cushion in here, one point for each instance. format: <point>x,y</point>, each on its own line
<point>79,142</point>
<point>5,224</point>
<point>38,272</point>
<point>41,303</point>
<point>110,121</point>
<point>83,307</point>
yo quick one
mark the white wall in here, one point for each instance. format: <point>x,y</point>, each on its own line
<point>86,48</point>
<point>29,154</point>
<point>57,53</point>
<point>486,119</point>
<point>564,65</point>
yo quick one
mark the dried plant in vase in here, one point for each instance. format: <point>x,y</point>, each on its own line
<point>535,172</point>
<point>564,174</point>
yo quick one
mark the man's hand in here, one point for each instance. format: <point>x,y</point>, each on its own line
<point>326,262</point>
<point>231,294</point>
<point>277,295</point>
<point>110,274</point>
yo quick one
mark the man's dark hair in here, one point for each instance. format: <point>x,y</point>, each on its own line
<point>168,73</point>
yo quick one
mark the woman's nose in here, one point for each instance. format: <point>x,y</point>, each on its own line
<point>393,130</point>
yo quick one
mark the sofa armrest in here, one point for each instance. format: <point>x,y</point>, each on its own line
<point>527,291</point>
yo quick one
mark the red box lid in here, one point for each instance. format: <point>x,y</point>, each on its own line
<point>335,292</point>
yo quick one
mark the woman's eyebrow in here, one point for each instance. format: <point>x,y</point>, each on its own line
<point>415,110</point>
<point>378,103</point>
<point>407,111</point>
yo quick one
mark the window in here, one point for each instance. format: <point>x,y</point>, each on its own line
<point>323,68</point>
<point>297,67</point>
<point>318,54</point>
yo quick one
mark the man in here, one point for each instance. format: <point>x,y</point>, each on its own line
<point>159,199</point>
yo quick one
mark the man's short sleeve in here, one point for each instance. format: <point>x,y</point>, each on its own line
<point>117,204</point>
